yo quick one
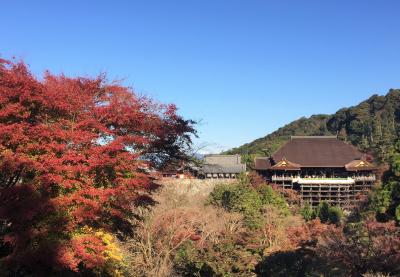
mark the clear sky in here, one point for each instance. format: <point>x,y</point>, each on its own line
<point>244,68</point>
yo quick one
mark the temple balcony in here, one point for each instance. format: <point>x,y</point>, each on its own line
<point>324,181</point>
<point>364,178</point>
<point>282,178</point>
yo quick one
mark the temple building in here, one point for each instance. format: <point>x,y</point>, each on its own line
<point>222,166</point>
<point>320,168</point>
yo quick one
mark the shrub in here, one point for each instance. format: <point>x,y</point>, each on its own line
<point>178,221</point>
<point>322,211</point>
<point>219,194</point>
<point>307,212</point>
<point>225,258</point>
<point>398,213</point>
<point>269,196</point>
<point>329,214</point>
<point>247,200</point>
<point>240,198</point>
<point>381,200</point>
<point>256,179</point>
<point>335,215</point>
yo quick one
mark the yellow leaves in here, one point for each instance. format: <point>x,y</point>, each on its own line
<point>114,258</point>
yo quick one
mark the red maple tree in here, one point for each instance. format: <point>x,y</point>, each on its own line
<point>74,153</point>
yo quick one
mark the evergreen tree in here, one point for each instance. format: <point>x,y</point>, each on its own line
<point>307,212</point>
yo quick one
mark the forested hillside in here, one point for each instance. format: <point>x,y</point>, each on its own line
<point>373,125</point>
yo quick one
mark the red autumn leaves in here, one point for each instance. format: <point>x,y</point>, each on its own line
<point>72,153</point>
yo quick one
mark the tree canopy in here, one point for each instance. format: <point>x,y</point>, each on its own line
<point>75,155</point>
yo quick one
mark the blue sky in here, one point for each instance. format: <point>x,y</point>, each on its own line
<point>243,68</point>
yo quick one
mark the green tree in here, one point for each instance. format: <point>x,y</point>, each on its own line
<point>322,211</point>
<point>335,215</point>
<point>269,196</point>
<point>307,212</point>
<point>386,199</point>
<point>242,198</point>
<point>381,200</point>
<point>398,213</point>
<point>329,214</point>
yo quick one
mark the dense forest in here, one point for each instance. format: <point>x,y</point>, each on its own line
<point>373,126</point>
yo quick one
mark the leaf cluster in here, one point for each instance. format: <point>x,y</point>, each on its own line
<point>248,200</point>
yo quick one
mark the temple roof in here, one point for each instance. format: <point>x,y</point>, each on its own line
<point>284,164</point>
<point>223,164</point>
<point>262,163</point>
<point>314,151</point>
<point>359,165</point>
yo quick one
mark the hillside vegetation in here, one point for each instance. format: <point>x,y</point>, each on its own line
<point>248,228</point>
<point>373,126</point>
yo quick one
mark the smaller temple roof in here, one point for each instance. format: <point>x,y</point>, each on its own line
<point>284,164</point>
<point>262,163</point>
<point>223,164</point>
<point>359,165</point>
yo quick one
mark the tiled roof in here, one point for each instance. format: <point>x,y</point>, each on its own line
<point>223,164</point>
<point>359,165</point>
<point>317,152</point>
<point>222,159</point>
<point>284,164</point>
<point>262,163</point>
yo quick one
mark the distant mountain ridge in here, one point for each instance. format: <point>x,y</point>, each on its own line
<point>372,125</point>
